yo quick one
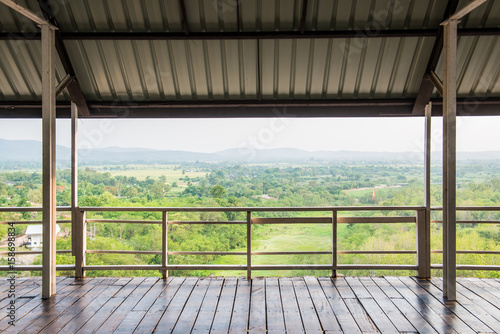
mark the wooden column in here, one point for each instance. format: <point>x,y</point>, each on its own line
<point>424,217</point>
<point>334,244</point>
<point>449,159</point>
<point>249,244</point>
<point>164,247</point>
<point>74,175</point>
<point>49,162</point>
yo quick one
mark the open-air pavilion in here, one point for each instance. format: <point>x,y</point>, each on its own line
<point>252,58</point>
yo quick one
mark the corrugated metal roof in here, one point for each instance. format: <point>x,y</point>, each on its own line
<point>180,70</point>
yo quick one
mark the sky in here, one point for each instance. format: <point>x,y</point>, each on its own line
<point>311,134</point>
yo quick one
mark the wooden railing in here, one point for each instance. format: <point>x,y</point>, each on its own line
<point>423,251</point>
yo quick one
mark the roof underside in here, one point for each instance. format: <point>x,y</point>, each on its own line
<point>242,58</point>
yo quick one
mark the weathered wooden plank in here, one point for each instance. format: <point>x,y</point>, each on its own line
<point>109,324</point>
<point>189,314</point>
<point>101,315</point>
<point>454,307</point>
<point>359,289</point>
<point>224,309</point>
<point>413,316</point>
<point>393,314</point>
<point>17,294</point>
<point>32,309</point>
<point>171,315</point>
<point>482,290</point>
<point>274,310</point>
<point>440,309</point>
<point>306,307</point>
<point>50,309</point>
<point>123,281</point>
<point>343,288</point>
<point>492,283</point>
<point>291,312</point>
<point>436,321</point>
<point>150,297</point>
<point>209,306</point>
<point>480,307</point>
<point>344,317</point>
<point>324,312</point>
<point>138,286</point>
<point>158,307</point>
<point>364,322</point>
<point>257,321</point>
<point>241,308</point>
<point>76,317</point>
<point>21,288</point>
<point>387,287</point>
<point>377,315</point>
<point>130,322</point>
<point>32,298</point>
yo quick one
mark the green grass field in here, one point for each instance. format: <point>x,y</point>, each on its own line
<point>172,172</point>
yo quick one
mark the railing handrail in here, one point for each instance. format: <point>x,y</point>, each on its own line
<point>255,209</point>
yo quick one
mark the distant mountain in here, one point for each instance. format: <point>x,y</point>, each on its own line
<point>28,150</point>
<point>31,151</point>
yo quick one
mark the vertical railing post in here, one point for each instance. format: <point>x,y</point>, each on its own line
<point>334,244</point>
<point>249,244</point>
<point>423,244</point>
<point>80,244</point>
<point>164,247</point>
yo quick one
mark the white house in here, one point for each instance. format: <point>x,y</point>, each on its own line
<point>34,234</point>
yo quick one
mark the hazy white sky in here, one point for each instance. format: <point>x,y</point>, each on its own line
<point>210,135</point>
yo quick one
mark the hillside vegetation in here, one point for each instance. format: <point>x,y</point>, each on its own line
<point>260,185</point>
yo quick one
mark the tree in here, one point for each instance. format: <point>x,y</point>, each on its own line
<point>218,191</point>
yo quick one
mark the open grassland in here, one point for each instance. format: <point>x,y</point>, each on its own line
<point>172,172</point>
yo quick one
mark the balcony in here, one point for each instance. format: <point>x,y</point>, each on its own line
<point>331,304</point>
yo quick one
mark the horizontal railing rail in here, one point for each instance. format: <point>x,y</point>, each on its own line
<point>423,251</point>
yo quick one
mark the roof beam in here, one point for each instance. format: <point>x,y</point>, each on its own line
<point>184,20</point>
<point>436,82</point>
<point>255,108</point>
<point>63,84</point>
<point>26,12</point>
<point>73,87</point>
<point>238,23</point>
<point>466,9</point>
<point>303,16</point>
<point>80,36</point>
<point>426,87</point>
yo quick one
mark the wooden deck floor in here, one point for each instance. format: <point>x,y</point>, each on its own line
<point>235,305</point>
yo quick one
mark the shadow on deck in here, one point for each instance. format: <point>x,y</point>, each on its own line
<point>235,305</point>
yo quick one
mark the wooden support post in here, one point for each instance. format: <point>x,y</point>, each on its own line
<point>249,244</point>
<point>334,244</point>
<point>449,159</point>
<point>423,245</point>
<point>80,235</point>
<point>164,247</point>
<point>424,218</point>
<point>49,162</point>
<point>74,173</point>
